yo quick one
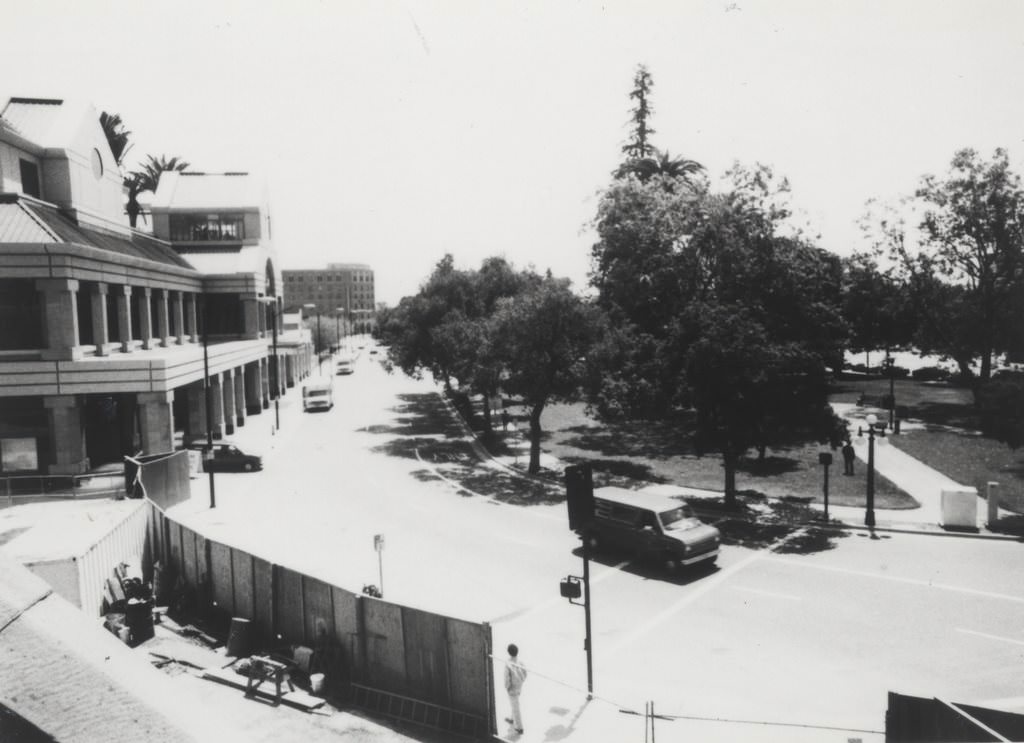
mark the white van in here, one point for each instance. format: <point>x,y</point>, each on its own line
<point>651,524</point>
<point>317,396</point>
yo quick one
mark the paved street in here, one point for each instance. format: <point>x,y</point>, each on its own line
<point>794,638</point>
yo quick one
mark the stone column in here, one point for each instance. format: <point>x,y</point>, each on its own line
<point>240,384</point>
<point>191,327</point>
<point>146,318</point>
<point>67,435</point>
<point>98,306</point>
<point>178,307</point>
<point>289,370</point>
<point>227,402</point>
<point>196,410</point>
<point>60,314</point>
<point>156,419</point>
<point>265,364</point>
<point>217,413</point>
<point>163,330</point>
<point>254,388</point>
<point>124,318</point>
<point>251,311</point>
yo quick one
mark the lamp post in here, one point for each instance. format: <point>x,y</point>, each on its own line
<point>872,421</point>
<point>208,392</point>
<point>274,367</point>
<point>337,330</point>
<point>889,365</point>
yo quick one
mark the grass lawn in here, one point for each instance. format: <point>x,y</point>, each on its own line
<point>634,453</point>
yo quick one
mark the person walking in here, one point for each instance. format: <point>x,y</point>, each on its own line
<point>848,457</point>
<point>515,675</point>
<point>504,419</point>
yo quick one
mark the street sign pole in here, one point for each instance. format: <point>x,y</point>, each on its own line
<point>378,544</point>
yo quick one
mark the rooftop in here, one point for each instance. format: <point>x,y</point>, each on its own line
<point>184,191</point>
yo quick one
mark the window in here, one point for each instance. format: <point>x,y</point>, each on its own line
<point>207,227</point>
<point>30,178</point>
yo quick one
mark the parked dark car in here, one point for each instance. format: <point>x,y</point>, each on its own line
<point>228,458</point>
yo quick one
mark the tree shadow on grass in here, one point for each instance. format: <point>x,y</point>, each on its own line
<point>956,415</point>
<point>654,440</point>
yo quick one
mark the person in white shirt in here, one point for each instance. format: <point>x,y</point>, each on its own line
<point>515,675</point>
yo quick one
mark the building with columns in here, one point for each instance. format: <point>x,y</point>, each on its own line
<point>102,326</point>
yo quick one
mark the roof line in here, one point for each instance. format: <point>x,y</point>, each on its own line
<point>39,222</point>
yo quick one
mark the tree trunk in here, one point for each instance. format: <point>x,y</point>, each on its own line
<point>729,462</point>
<point>535,412</point>
<point>487,412</point>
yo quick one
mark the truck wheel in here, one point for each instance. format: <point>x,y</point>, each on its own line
<point>247,466</point>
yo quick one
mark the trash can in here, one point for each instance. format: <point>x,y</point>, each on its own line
<point>138,618</point>
<point>960,508</point>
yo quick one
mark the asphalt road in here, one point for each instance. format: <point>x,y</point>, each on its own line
<point>790,640</point>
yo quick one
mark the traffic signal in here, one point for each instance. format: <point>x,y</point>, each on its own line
<point>579,490</point>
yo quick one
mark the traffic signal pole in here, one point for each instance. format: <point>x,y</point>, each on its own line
<point>587,644</point>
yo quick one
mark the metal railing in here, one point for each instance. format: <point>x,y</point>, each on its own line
<point>20,489</point>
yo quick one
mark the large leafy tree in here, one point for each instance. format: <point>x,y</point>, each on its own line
<point>147,178</point>
<point>542,337</point>
<point>444,329</point>
<point>720,311</point>
<point>965,269</point>
<point>876,306</point>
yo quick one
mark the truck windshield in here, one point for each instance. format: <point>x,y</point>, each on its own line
<point>675,515</point>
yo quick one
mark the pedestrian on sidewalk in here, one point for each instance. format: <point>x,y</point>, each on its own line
<point>848,457</point>
<point>515,675</point>
<point>504,419</point>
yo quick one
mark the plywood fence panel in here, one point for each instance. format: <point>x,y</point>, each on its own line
<point>384,645</point>
<point>426,655</point>
<point>319,614</point>
<point>288,608</point>
<point>220,571</point>
<point>263,598</point>
<point>468,647</point>
<point>244,594</point>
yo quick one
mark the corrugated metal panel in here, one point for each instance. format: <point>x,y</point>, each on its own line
<point>17,226</point>
<point>123,542</point>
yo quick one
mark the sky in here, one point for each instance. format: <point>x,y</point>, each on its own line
<point>391,132</point>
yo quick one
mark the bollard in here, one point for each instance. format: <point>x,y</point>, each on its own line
<point>992,496</point>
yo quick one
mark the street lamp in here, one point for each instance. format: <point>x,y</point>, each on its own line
<point>872,421</point>
<point>317,346</point>
<point>889,366</point>
<point>208,396</point>
<point>275,371</point>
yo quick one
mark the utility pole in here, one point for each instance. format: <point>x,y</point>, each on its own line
<point>579,485</point>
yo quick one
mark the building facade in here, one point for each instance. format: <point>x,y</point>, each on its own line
<point>102,326</point>
<point>344,291</point>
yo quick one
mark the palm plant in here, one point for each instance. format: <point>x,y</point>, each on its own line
<point>147,179</point>
<point>659,163</point>
<point>116,134</point>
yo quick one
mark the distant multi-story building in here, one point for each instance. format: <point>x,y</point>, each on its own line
<point>341,290</point>
<point>101,325</point>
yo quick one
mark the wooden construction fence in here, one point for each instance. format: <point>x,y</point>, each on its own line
<point>413,654</point>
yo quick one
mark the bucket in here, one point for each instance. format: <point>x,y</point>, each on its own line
<point>316,683</point>
<point>238,638</point>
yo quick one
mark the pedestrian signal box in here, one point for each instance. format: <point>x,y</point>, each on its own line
<point>579,491</point>
<point>570,588</point>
